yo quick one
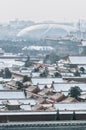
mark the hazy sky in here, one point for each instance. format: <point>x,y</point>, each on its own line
<point>41,10</point>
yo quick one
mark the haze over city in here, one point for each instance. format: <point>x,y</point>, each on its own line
<point>41,10</point>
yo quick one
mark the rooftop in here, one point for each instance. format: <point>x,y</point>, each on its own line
<point>77,60</point>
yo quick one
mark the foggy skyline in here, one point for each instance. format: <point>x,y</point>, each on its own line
<point>41,10</point>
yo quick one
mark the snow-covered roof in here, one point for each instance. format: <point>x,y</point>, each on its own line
<point>83,96</point>
<point>11,94</point>
<point>35,74</point>
<point>77,59</point>
<point>10,62</point>
<point>83,43</point>
<point>1,87</point>
<point>13,102</point>
<point>36,81</point>
<point>70,106</point>
<point>25,107</point>
<point>27,101</point>
<point>67,86</point>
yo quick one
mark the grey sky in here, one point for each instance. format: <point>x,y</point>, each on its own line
<point>40,10</point>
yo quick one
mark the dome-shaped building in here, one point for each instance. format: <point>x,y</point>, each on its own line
<point>41,31</point>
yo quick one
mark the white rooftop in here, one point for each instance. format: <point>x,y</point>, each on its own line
<point>25,107</point>
<point>1,87</point>
<point>77,59</point>
<point>10,63</point>
<point>36,81</point>
<point>83,43</point>
<point>35,74</point>
<point>27,101</point>
<point>13,102</point>
<point>70,106</point>
<point>11,94</point>
<point>67,86</point>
